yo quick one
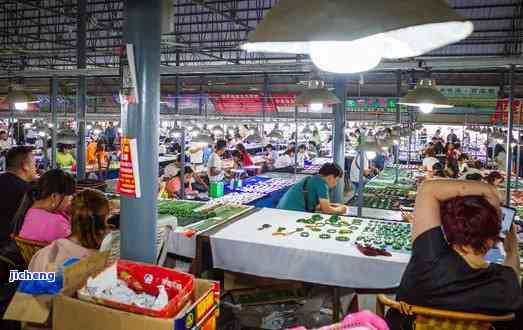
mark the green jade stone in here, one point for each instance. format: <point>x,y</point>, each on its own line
<point>316,217</point>
<point>397,246</point>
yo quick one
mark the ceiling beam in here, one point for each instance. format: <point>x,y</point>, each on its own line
<point>231,18</point>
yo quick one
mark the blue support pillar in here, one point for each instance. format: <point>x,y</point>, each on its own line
<point>54,119</point>
<point>510,126</point>
<point>81,92</point>
<point>338,143</point>
<point>138,224</point>
<point>177,96</point>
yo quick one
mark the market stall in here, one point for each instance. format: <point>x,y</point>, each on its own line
<point>192,219</point>
<point>272,243</point>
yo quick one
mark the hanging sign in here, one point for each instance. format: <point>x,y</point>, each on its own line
<point>240,103</point>
<point>129,178</point>
<point>128,90</point>
<point>502,109</point>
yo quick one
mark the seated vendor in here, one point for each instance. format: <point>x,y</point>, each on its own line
<point>285,160</point>
<point>173,187</point>
<point>271,156</point>
<point>89,212</point>
<point>455,224</point>
<point>312,193</point>
<point>215,167</point>
<point>173,169</point>
<point>64,157</point>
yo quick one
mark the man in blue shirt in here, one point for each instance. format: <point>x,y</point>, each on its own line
<point>312,193</point>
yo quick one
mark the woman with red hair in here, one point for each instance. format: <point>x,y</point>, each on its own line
<point>455,224</point>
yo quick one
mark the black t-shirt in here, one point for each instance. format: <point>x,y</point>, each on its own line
<point>438,277</point>
<point>12,190</point>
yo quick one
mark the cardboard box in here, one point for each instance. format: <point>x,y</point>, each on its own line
<point>37,309</point>
<point>71,313</point>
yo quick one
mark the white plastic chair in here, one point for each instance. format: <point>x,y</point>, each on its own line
<point>111,242</point>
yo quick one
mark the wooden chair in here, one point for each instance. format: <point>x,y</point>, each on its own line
<point>432,319</point>
<point>27,247</point>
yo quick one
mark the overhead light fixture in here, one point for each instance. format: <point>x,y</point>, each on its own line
<point>275,134</point>
<point>218,130</point>
<point>350,36</point>
<point>195,131</point>
<point>306,131</point>
<point>254,137</point>
<point>203,138</point>
<point>426,97</point>
<point>66,136</point>
<point>19,97</point>
<point>316,96</point>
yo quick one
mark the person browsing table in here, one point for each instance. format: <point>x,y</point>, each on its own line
<point>455,224</point>
<point>312,193</point>
<point>214,165</point>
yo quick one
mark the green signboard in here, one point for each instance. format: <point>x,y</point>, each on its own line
<point>373,104</point>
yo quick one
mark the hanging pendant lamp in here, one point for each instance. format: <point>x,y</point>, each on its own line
<point>19,97</point>
<point>426,97</point>
<point>218,130</point>
<point>349,36</point>
<point>316,97</point>
<point>66,136</point>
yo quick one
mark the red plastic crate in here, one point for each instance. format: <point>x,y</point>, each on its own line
<point>146,278</point>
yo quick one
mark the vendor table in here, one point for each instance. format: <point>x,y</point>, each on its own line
<point>166,159</point>
<point>283,175</point>
<point>375,213</point>
<point>179,243</point>
<point>242,247</point>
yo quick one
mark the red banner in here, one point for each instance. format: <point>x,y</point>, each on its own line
<point>502,108</point>
<point>250,103</point>
<point>129,178</point>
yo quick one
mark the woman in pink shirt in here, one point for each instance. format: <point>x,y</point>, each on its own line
<point>89,211</point>
<point>47,219</point>
<point>174,185</point>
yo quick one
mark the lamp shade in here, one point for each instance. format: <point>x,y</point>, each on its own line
<point>254,136</point>
<point>306,131</point>
<point>19,97</point>
<point>426,96</point>
<point>325,128</point>
<point>67,136</point>
<point>361,30</point>
<point>316,94</point>
<point>275,134</point>
<point>203,138</point>
<point>218,130</point>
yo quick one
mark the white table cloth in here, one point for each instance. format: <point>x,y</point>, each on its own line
<point>241,247</point>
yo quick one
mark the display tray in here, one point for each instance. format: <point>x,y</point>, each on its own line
<point>184,211</point>
<point>182,240</point>
<point>389,235</point>
<point>383,202</point>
